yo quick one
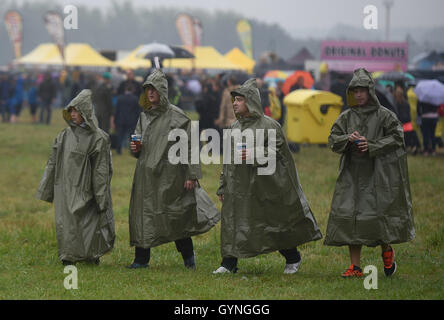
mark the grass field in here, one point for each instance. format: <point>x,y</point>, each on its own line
<point>30,269</point>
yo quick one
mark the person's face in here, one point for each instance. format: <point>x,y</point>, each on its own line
<point>361,95</point>
<point>153,96</point>
<point>240,106</point>
<point>76,116</point>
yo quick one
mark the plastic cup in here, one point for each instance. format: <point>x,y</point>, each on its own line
<point>137,139</point>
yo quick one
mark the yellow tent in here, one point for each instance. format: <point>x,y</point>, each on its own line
<point>205,58</point>
<point>76,54</point>
<point>131,61</point>
<point>237,57</point>
<point>40,55</point>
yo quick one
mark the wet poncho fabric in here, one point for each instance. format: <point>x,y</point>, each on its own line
<point>371,203</point>
<point>262,213</point>
<point>77,179</point>
<point>161,209</point>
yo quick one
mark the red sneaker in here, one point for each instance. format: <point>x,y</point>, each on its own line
<point>388,257</point>
<point>352,271</point>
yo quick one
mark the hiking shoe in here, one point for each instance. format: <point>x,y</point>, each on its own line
<point>388,257</point>
<point>222,270</point>
<point>190,263</point>
<point>291,268</point>
<point>352,271</point>
<point>137,266</point>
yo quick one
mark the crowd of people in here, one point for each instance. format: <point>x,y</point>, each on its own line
<point>116,96</point>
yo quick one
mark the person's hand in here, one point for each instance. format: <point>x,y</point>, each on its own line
<point>221,198</point>
<point>363,144</point>
<point>133,147</point>
<point>190,184</point>
<point>354,136</point>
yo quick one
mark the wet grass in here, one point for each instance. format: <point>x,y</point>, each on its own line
<point>30,269</point>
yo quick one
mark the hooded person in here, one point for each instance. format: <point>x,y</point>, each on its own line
<point>167,204</point>
<point>77,179</point>
<point>371,203</point>
<point>262,212</point>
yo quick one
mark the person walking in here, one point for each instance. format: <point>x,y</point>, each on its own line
<point>371,204</point>
<point>166,203</point>
<point>77,178</point>
<point>262,213</point>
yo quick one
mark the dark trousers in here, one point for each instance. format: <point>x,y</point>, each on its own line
<point>184,246</point>
<point>428,127</point>
<point>45,107</point>
<point>290,255</point>
<point>123,135</point>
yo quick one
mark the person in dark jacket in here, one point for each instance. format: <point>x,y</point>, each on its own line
<point>207,107</point>
<point>126,116</point>
<point>4,95</point>
<point>47,93</point>
<point>102,98</point>
<point>32,98</point>
<point>339,87</point>
<point>129,80</point>
<point>428,115</point>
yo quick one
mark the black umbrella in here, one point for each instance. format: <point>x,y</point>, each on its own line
<point>181,53</point>
<point>152,50</point>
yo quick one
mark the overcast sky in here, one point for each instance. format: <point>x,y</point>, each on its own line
<point>295,15</point>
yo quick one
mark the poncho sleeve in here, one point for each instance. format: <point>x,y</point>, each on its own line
<point>338,139</point>
<point>393,138</point>
<point>101,173</point>
<point>45,191</point>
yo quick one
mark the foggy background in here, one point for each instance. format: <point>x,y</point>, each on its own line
<point>283,26</point>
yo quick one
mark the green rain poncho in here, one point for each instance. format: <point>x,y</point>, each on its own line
<point>262,213</point>
<point>371,203</point>
<point>77,178</point>
<point>161,209</point>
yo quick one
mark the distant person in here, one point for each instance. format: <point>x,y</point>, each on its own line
<point>372,204</point>
<point>4,95</point>
<point>226,114</point>
<point>47,93</point>
<point>32,97</point>
<point>102,98</point>
<point>77,179</point>
<point>17,98</point>
<point>130,80</point>
<point>126,116</point>
<point>428,117</point>
<point>339,87</point>
<point>402,105</point>
<point>207,106</point>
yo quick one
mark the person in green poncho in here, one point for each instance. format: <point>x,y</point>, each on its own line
<point>261,213</point>
<point>77,179</point>
<point>371,203</point>
<point>167,203</point>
